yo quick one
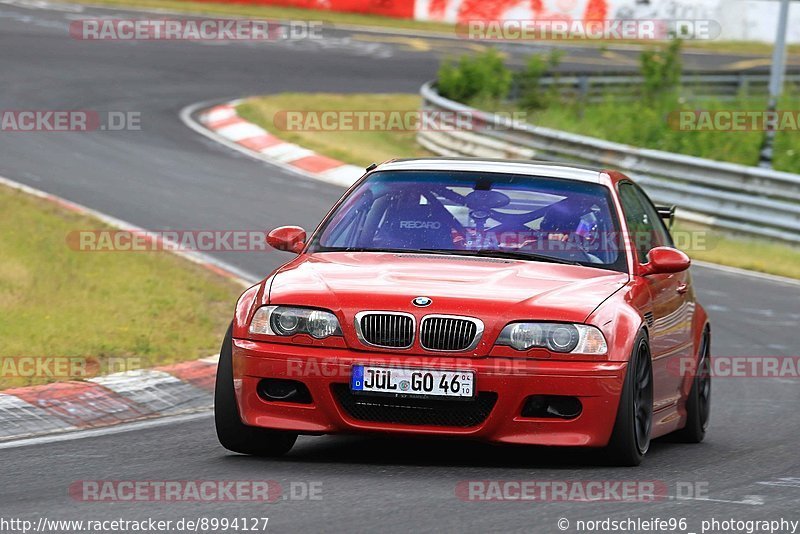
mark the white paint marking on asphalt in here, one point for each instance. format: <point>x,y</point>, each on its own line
<point>40,4</point>
<point>239,131</point>
<point>752,500</point>
<point>109,430</point>
<point>745,272</point>
<point>783,482</point>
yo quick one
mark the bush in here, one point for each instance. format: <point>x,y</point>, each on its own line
<point>481,78</point>
<point>531,94</point>
<point>661,70</point>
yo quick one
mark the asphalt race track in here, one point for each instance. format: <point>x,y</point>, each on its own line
<point>168,177</point>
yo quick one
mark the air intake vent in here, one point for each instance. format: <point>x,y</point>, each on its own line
<point>450,333</point>
<point>648,316</point>
<point>411,411</point>
<point>386,329</point>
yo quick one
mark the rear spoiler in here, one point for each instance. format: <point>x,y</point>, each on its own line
<point>667,213</point>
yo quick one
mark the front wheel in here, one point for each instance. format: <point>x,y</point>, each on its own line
<point>630,438</point>
<point>231,432</point>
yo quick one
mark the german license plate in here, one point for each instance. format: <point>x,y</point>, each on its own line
<point>395,381</point>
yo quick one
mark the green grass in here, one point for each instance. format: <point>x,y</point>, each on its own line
<point>150,307</point>
<point>751,254</point>
<point>357,147</point>
<point>361,148</point>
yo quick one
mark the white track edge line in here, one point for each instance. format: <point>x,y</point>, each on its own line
<point>108,430</point>
<point>752,274</point>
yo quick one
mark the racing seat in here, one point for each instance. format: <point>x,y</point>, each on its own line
<point>418,226</point>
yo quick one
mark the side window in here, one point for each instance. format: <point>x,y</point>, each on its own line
<point>664,237</point>
<point>645,227</point>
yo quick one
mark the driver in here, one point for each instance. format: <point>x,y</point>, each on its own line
<point>568,225</point>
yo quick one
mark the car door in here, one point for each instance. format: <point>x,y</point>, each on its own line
<point>671,307</point>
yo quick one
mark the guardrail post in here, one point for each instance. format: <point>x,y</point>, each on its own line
<point>743,88</point>
<point>775,85</point>
<point>583,88</point>
<point>583,93</point>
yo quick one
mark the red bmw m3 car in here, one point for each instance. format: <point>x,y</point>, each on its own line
<point>508,301</point>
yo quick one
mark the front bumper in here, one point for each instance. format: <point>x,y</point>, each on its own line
<point>326,374</point>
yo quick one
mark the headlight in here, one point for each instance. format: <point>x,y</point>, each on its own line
<point>288,321</point>
<point>556,337</point>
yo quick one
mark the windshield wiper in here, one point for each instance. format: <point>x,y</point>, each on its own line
<point>506,254</point>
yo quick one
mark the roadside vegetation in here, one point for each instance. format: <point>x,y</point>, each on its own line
<point>128,308</point>
<point>362,148</point>
<point>646,116</point>
<point>745,253</point>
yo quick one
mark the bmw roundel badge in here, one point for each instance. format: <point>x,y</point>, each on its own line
<point>421,302</point>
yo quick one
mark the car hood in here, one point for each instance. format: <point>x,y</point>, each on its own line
<point>486,288</point>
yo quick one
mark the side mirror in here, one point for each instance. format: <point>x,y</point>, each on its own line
<point>288,238</point>
<point>664,260</point>
<point>667,214</point>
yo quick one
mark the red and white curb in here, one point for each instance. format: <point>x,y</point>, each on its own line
<point>107,400</point>
<point>179,388</point>
<point>223,124</point>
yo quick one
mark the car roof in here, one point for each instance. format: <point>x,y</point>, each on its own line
<point>525,167</point>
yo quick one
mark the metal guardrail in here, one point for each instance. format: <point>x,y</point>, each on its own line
<point>749,200</point>
<point>594,87</point>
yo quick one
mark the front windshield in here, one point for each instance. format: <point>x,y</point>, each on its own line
<point>492,214</point>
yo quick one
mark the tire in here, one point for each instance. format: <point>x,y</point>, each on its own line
<point>231,432</point>
<point>630,438</point>
<point>698,404</point>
